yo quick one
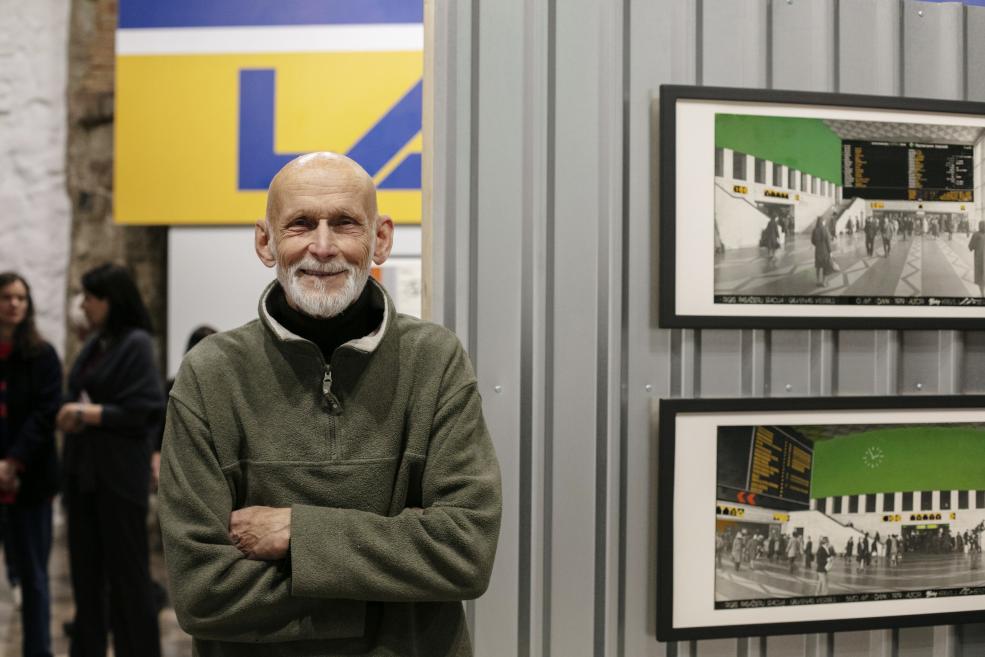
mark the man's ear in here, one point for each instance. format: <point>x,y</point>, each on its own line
<point>384,239</point>
<point>262,243</point>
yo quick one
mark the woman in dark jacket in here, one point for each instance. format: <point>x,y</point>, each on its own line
<point>30,391</point>
<point>117,401</point>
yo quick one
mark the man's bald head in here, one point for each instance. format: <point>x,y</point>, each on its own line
<point>323,171</point>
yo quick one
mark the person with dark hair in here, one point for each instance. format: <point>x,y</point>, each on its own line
<point>116,401</point>
<point>821,240</point>
<point>30,392</point>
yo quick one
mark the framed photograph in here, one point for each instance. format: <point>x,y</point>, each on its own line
<point>780,516</point>
<point>783,209</point>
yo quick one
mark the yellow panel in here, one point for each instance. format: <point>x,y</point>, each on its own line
<point>184,169</point>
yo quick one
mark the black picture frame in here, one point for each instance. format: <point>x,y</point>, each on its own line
<point>687,609</point>
<point>686,297</point>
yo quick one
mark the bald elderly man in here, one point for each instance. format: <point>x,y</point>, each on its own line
<point>328,485</point>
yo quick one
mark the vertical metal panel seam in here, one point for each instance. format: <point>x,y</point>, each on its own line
<point>549,400</point>
<point>473,329</point>
<point>836,51</point>
<point>965,79</point>
<point>699,9</point>
<point>451,179</point>
<point>525,512</point>
<point>473,307</point>
<point>902,49</point>
<point>676,363</point>
<point>602,278</point>
<point>769,44</point>
<point>624,333</point>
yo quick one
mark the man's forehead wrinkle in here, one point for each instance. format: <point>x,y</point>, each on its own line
<point>319,174</point>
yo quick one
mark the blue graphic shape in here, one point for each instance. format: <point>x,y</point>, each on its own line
<point>407,175</point>
<point>237,13</point>
<point>394,130</point>
<point>259,162</point>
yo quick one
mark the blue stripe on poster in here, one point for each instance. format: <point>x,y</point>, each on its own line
<point>391,133</point>
<point>237,13</point>
<point>407,175</point>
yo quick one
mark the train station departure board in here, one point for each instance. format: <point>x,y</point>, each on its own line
<point>772,464</point>
<point>907,171</point>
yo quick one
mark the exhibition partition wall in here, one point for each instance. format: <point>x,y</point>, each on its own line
<point>543,254</point>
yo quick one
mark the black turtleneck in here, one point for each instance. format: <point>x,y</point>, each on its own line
<point>358,320</point>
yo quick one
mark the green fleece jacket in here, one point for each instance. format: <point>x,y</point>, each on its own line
<point>387,465</point>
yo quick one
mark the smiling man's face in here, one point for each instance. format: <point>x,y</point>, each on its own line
<point>322,232</point>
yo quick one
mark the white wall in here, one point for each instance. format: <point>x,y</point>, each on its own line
<point>35,216</point>
<point>215,278</point>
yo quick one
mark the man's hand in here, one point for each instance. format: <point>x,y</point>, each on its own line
<point>262,533</point>
<point>69,418</point>
<point>8,476</point>
<point>155,470</point>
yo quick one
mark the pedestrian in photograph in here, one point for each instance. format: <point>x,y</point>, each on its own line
<point>849,549</point>
<point>809,553</point>
<point>821,240</point>
<point>795,547</point>
<point>738,547</point>
<point>824,561</point>
<point>771,239</point>
<point>886,232</point>
<point>977,246</point>
<point>870,236</point>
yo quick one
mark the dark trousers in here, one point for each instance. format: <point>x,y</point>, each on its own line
<point>108,553</point>
<point>29,541</point>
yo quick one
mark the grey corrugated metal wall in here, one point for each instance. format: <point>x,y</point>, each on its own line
<point>543,248</point>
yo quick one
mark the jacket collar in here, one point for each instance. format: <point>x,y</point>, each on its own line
<point>366,344</point>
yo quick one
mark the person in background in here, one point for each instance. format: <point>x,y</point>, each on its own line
<point>30,392</point>
<point>870,231</point>
<point>977,246</point>
<point>824,555</point>
<point>821,239</point>
<point>199,334</point>
<point>116,399</point>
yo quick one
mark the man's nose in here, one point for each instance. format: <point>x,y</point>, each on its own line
<point>323,245</point>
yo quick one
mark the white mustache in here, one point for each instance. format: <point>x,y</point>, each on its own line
<point>310,264</point>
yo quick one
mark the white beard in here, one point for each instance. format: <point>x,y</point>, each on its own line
<point>312,296</point>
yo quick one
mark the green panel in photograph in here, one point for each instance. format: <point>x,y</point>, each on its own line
<point>915,458</point>
<point>804,144</point>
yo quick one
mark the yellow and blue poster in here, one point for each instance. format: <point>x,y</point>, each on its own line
<point>214,96</point>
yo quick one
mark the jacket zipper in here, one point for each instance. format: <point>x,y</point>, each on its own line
<point>334,407</point>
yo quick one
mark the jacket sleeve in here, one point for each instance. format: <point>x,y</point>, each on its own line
<point>38,429</point>
<point>137,398</point>
<point>442,552</point>
<point>218,593</point>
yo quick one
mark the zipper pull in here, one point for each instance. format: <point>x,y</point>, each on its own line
<point>326,389</point>
<point>326,383</point>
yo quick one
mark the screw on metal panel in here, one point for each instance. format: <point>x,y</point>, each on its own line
<point>788,387</point>
<point>498,389</point>
<point>919,386</point>
<point>648,387</point>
